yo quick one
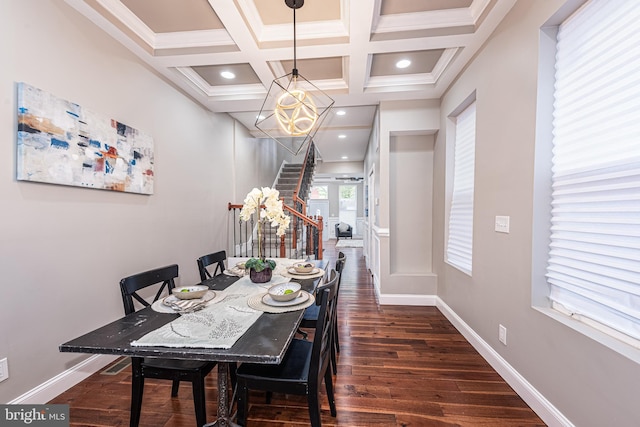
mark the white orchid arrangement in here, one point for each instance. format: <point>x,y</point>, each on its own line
<point>272,212</point>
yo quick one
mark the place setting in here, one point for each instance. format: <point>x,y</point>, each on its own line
<point>281,298</point>
<point>237,270</point>
<point>186,299</point>
<point>304,270</point>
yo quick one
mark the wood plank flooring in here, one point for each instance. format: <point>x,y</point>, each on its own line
<point>398,366</point>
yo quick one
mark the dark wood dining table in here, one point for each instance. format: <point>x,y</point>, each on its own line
<point>266,341</point>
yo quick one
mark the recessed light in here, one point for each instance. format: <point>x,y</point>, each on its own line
<point>228,75</point>
<point>344,157</point>
<point>403,63</point>
<point>340,113</point>
<point>342,136</point>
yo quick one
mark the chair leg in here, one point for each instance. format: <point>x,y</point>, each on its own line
<point>335,349</point>
<point>199,401</point>
<point>137,387</point>
<point>334,360</point>
<point>174,388</point>
<point>232,374</point>
<point>328,382</point>
<point>313,399</point>
<point>243,404</point>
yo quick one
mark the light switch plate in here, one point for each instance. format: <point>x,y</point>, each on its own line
<point>4,369</point>
<point>502,224</point>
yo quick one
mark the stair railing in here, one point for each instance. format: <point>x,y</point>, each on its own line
<point>304,180</point>
<point>304,229</point>
<point>245,242</point>
<point>313,243</point>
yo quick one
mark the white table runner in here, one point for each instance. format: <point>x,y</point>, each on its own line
<point>218,325</point>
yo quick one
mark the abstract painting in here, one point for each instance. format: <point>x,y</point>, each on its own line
<point>60,142</point>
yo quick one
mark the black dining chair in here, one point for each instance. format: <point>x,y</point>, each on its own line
<point>168,369</point>
<point>217,258</point>
<point>311,315</point>
<point>303,368</point>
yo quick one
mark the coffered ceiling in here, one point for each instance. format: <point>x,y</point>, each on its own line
<point>347,48</point>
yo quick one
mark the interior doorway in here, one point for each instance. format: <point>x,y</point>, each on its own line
<point>320,207</point>
<point>348,205</point>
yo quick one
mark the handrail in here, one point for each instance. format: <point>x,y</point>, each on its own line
<point>287,208</point>
<point>296,198</point>
<point>318,224</point>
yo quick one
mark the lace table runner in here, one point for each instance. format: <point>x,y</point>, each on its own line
<point>218,325</point>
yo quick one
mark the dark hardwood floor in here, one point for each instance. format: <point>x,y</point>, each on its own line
<point>398,366</point>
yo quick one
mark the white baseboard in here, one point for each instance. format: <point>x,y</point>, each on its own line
<point>64,381</point>
<point>540,405</point>
<point>407,299</point>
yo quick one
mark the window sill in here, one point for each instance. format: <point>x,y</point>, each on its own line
<point>624,349</point>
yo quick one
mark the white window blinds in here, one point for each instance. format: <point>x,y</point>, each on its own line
<point>594,257</point>
<point>460,241</point>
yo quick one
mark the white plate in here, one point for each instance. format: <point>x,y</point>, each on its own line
<point>299,300</point>
<point>293,271</point>
<point>173,301</point>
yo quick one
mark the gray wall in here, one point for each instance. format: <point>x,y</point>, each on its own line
<point>587,382</point>
<point>64,249</point>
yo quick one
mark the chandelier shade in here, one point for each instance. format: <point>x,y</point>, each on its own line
<point>293,111</point>
<point>294,108</point>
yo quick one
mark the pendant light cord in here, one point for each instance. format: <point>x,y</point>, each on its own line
<point>295,66</point>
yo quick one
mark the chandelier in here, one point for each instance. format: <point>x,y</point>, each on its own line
<point>294,108</point>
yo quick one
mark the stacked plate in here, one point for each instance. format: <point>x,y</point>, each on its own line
<point>292,270</point>
<point>188,305</point>
<point>301,298</point>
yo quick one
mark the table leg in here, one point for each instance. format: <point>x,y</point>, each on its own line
<point>223,398</point>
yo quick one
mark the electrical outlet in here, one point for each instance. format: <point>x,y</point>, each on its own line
<point>4,369</point>
<point>502,334</point>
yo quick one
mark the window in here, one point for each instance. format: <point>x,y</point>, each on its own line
<point>593,269</point>
<point>460,237</point>
<point>348,205</point>
<point>319,192</point>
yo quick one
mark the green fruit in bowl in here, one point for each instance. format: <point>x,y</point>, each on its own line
<point>288,291</point>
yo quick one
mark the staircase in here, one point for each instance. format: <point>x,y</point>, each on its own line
<point>286,184</point>
<point>302,240</point>
<point>288,181</point>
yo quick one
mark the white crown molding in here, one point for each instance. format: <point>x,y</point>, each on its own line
<point>401,80</point>
<point>477,8</point>
<point>304,31</point>
<point>131,21</point>
<point>424,20</point>
<point>187,39</point>
<point>174,40</point>
<point>444,61</point>
<point>248,91</point>
<point>194,78</point>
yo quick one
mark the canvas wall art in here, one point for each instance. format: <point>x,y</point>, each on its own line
<point>60,142</point>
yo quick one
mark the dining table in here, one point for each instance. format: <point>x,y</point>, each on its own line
<point>265,341</point>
